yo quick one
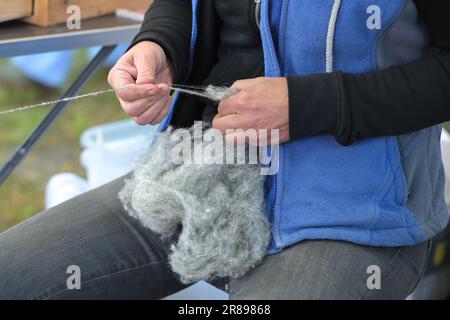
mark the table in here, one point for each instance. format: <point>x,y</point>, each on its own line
<point>17,38</point>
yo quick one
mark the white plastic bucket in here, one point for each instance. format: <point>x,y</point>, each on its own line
<point>110,151</point>
<point>62,187</point>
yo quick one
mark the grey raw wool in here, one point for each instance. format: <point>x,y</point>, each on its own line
<point>213,213</point>
<point>218,94</point>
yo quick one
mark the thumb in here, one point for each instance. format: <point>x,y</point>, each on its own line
<point>146,68</point>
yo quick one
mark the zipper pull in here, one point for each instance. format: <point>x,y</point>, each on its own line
<point>258,13</point>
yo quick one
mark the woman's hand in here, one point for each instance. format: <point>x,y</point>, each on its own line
<point>262,103</point>
<point>147,73</point>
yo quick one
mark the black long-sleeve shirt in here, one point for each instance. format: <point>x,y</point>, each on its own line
<point>394,101</point>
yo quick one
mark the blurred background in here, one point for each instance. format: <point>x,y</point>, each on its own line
<point>23,194</point>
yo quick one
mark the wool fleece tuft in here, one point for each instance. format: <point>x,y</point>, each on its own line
<point>212,213</point>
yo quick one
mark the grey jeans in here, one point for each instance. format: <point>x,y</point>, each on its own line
<point>119,259</point>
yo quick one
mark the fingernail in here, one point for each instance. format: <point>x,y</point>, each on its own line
<point>162,86</point>
<point>153,90</point>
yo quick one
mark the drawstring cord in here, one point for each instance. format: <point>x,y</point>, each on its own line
<point>330,35</point>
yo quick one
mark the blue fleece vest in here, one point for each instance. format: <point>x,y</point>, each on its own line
<point>323,190</point>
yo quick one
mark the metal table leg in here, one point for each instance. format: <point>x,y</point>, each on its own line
<point>23,150</point>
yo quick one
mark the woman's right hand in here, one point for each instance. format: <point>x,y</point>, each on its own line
<point>147,73</point>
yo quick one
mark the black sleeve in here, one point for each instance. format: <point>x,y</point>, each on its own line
<point>394,101</point>
<point>168,23</point>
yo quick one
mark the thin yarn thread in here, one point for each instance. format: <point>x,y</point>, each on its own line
<point>47,103</point>
<point>210,92</point>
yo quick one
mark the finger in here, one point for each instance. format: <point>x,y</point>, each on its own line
<point>164,112</point>
<point>164,86</point>
<point>120,77</point>
<point>151,113</point>
<point>227,107</point>
<point>231,122</point>
<point>146,68</point>
<point>138,107</point>
<point>233,104</point>
<point>136,92</point>
<point>242,99</point>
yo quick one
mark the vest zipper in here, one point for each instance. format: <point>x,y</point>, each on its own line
<point>257,13</point>
<point>255,16</point>
<point>273,198</point>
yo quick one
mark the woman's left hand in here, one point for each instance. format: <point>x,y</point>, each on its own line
<point>262,103</point>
